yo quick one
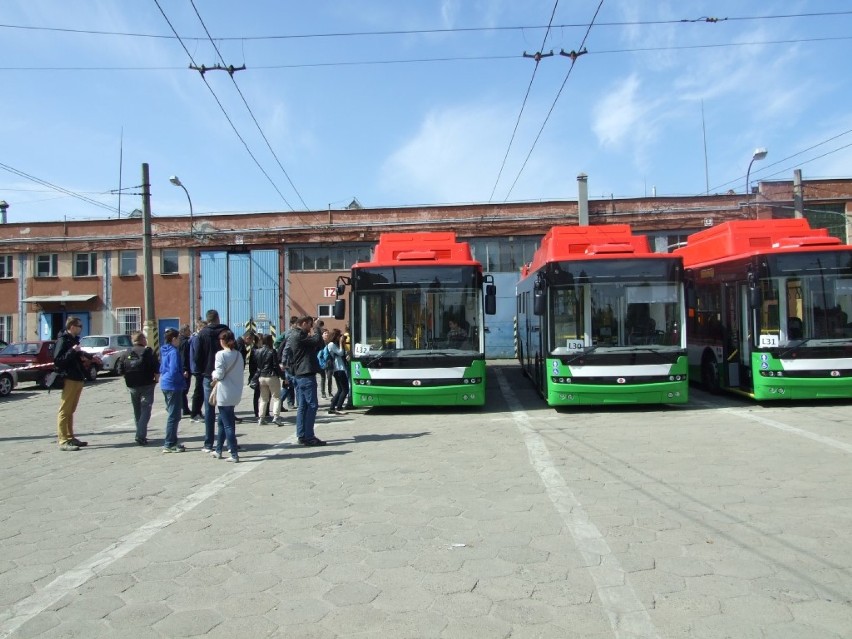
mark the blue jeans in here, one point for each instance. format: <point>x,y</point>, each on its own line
<point>288,392</point>
<point>174,405</point>
<point>306,414</point>
<point>209,415</point>
<point>227,430</point>
<point>142,399</point>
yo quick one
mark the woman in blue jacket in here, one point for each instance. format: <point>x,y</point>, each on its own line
<point>172,383</point>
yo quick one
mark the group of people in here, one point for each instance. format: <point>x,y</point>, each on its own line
<point>216,360</point>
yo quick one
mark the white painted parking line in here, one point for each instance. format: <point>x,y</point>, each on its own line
<point>626,614</point>
<point>748,414</point>
<point>19,614</point>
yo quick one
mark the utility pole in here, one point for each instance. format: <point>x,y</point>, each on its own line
<point>147,257</point>
<point>798,199</point>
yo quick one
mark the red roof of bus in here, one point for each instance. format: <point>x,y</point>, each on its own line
<point>741,238</point>
<point>589,242</point>
<point>418,249</point>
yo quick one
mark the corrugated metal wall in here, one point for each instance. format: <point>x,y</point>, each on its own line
<point>500,338</point>
<point>241,286</point>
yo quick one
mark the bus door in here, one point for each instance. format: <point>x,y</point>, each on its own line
<point>740,377</point>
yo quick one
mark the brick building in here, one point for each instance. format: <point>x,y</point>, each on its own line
<point>262,268</point>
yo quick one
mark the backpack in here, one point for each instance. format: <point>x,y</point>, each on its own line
<point>132,363</point>
<point>325,359</point>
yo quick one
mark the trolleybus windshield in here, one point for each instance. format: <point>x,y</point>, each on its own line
<point>402,312</point>
<point>805,299</point>
<point>615,305</point>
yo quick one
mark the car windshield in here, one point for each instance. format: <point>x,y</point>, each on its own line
<point>94,342</point>
<point>20,349</point>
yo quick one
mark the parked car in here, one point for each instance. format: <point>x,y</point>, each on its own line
<point>8,379</point>
<point>109,348</point>
<point>34,360</point>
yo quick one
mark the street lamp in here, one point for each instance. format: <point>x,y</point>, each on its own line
<point>759,154</point>
<point>176,181</point>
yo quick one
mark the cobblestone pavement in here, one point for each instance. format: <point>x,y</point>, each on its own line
<point>721,518</point>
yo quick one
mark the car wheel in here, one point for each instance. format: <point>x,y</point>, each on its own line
<point>5,385</point>
<point>92,373</point>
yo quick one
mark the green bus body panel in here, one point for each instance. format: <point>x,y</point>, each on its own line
<point>789,387</point>
<point>578,393</point>
<point>786,386</point>
<point>365,395</point>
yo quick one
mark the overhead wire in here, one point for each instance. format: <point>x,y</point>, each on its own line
<point>222,108</point>
<point>555,100</point>
<point>352,63</point>
<point>392,32</point>
<point>248,108</point>
<point>537,59</point>
<point>54,187</point>
<point>777,162</point>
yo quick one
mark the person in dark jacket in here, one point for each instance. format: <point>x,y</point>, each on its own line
<point>141,381</point>
<point>183,350</point>
<point>172,383</point>
<point>198,389</point>
<point>207,345</point>
<point>68,358</point>
<point>305,344</point>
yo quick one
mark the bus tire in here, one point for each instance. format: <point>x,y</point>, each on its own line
<point>710,373</point>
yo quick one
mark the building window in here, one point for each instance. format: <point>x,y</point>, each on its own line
<point>47,265</point>
<point>325,310</point>
<point>127,263</point>
<point>6,328</point>
<point>169,261</point>
<point>317,258</point>
<point>5,267</point>
<point>85,264</point>
<point>504,254</point>
<point>128,319</point>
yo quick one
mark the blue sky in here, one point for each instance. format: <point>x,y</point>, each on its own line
<point>349,113</point>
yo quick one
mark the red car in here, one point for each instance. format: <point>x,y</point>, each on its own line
<point>34,360</point>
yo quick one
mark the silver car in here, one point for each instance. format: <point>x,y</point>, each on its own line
<point>109,348</point>
<point>8,379</point>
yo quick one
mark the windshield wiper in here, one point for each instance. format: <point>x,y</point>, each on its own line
<point>383,355</point>
<point>790,349</point>
<point>586,351</point>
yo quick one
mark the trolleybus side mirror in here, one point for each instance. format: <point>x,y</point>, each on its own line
<point>490,299</point>
<point>755,299</point>
<point>339,309</point>
<point>538,301</point>
<point>341,288</point>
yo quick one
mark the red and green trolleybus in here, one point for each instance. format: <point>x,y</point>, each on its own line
<point>769,303</point>
<point>600,319</point>
<point>417,322</point>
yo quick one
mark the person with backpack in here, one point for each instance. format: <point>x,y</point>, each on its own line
<point>336,350</point>
<point>141,373</point>
<point>68,359</point>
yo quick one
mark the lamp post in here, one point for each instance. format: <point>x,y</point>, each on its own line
<point>176,181</point>
<point>192,313</point>
<point>759,154</point>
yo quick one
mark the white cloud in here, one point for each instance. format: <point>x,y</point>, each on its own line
<point>619,113</point>
<point>454,156</point>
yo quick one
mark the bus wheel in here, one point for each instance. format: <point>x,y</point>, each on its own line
<point>710,373</point>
